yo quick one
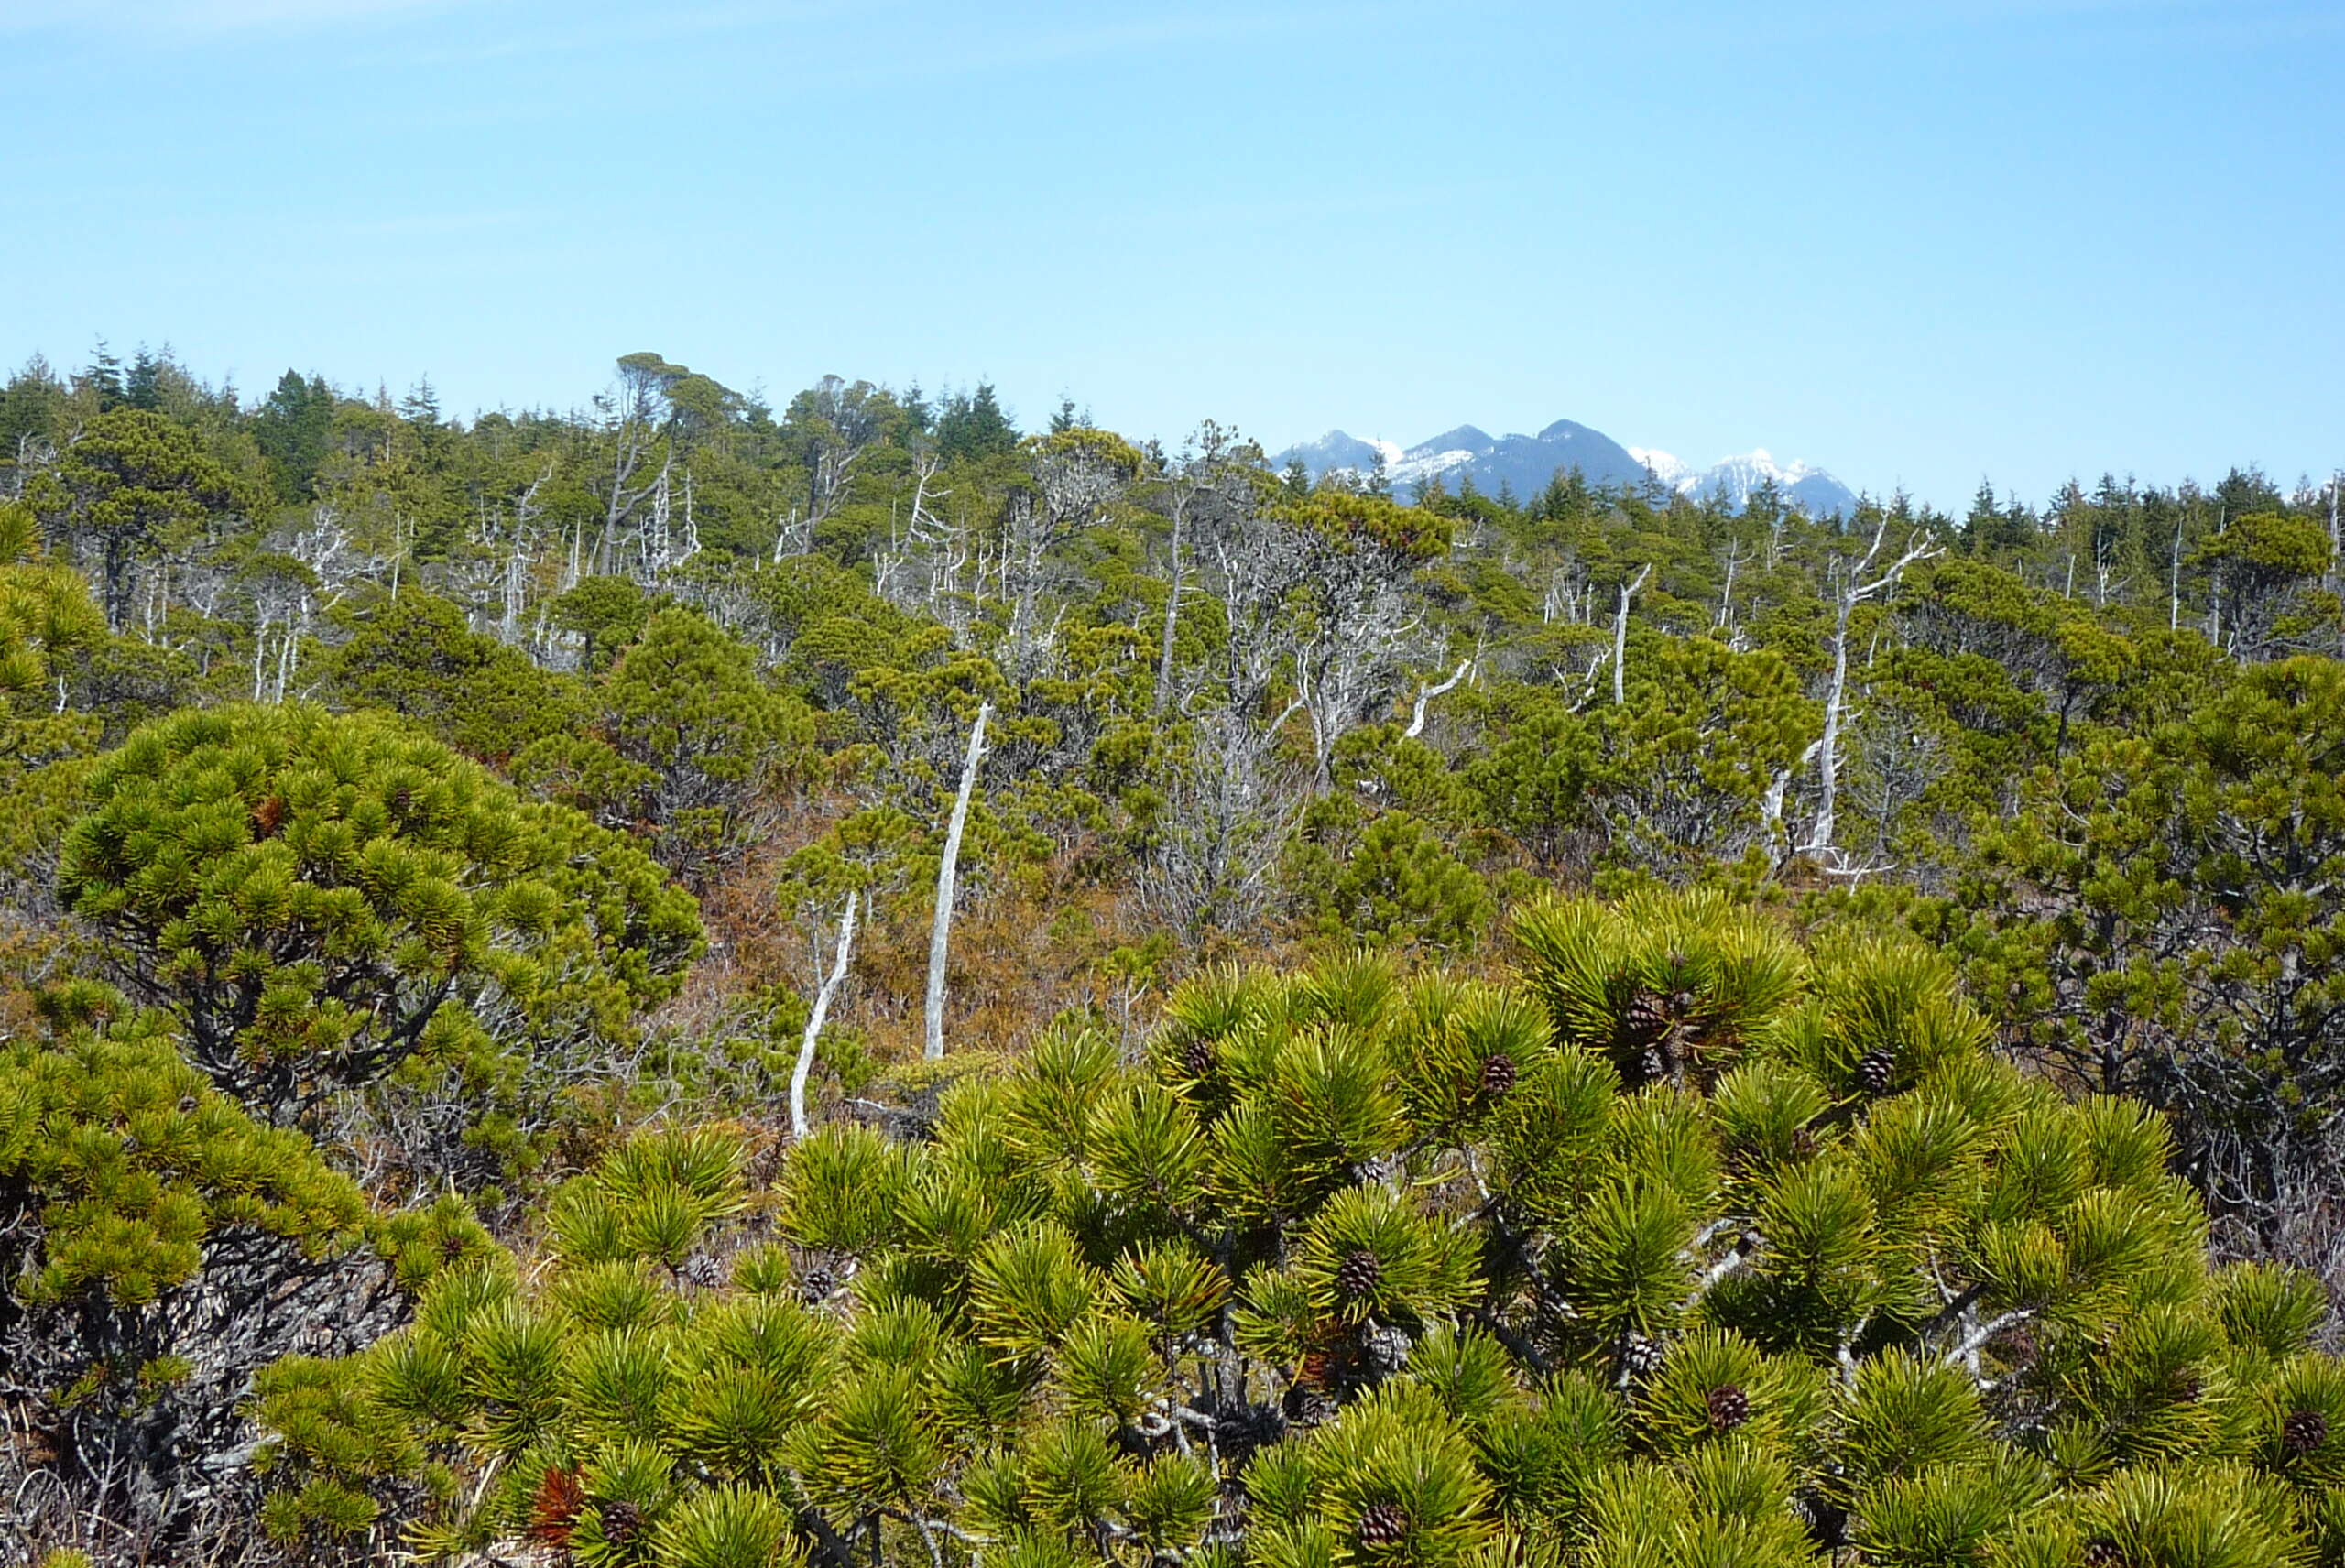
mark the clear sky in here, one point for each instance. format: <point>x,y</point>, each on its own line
<point>1914,241</point>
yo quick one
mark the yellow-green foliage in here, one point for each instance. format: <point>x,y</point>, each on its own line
<point>134,1160</point>
<point>317,897</point>
<point>1697,1247</point>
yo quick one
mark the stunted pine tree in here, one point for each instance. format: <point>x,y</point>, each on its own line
<point>158,1248</point>
<point>1692,1246</point>
<point>314,898</point>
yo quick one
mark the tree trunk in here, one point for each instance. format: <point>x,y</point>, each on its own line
<point>1426,693</point>
<point>1827,767</point>
<point>1621,638</point>
<point>829,990</point>
<point>1171,614</point>
<point>941,934</point>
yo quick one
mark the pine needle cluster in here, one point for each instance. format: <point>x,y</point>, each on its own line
<point>1314,1284</point>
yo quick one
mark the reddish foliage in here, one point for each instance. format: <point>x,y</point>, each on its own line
<point>555,1511</point>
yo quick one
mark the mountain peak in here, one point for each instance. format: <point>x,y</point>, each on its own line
<point>1670,469</point>
<point>1524,464</point>
<point>1465,438</point>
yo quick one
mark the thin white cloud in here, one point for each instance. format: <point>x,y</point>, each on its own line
<point>1008,49</point>
<point>185,18</point>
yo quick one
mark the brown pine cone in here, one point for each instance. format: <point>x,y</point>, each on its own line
<point>1730,1408</point>
<point>1498,1076</point>
<point>1382,1524</point>
<point>1647,1016</point>
<point>2302,1431</point>
<point>1357,1275</point>
<point>1875,1071</point>
<point>2102,1552</point>
<point>621,1521</point>
<point>1198,1059</point>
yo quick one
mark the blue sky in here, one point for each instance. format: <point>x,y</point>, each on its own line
<point>1914,241</point>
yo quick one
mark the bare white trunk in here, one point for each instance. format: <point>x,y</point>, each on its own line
<point>2336,538</point>
<point>1620,637</point>
<point>939,936</point>
<point>1171,614</point>
<point>1853,590</point>
<point>1425,694</point>
<point>2174,583</point>
<point>829,988</point>
<point>1827,767</point>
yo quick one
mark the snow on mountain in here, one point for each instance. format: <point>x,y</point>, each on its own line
<point>1670,471</point>
<point>1430,460</point>
<point>1524,465</point>
<point>1734,479</point>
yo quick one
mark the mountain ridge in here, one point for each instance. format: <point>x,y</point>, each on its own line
<point>1524,463</point>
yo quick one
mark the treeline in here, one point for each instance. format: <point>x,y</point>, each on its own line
<point>403,811</point>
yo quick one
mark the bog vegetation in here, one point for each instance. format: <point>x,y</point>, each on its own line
<point>684,984</point>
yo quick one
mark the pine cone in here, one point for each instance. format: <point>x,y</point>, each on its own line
<point>2102,1552</point>
<point>817,1284</point>
<point>2187,1386</point>
<point>1355,1276</point>
<point>1382,1524</point>
<point>1198,1059</point>
<point>1680,1003</point>
<point>700,1271</point>
<point>1730,1408</point>
<point>1803,1143</point>
<point>1875,1070</point>
<point>621,1521</point>
<point>1648,1016</point>
<point>1386,1350</point>
<point>1499,1073</point>
<point>1307,1408</point>
<point>2303,1431</point>
<point>1642,1358</point>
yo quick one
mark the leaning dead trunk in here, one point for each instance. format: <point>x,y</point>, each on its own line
<point>1621,638</point>
<point>829,988</point>
<point>1850,591</point>
<point>939,936</point>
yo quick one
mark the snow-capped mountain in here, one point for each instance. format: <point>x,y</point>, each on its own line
<point>1732,480</point>
<point>1525,463</point>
